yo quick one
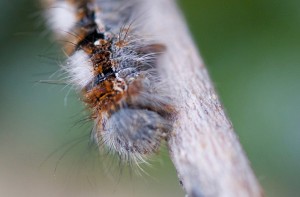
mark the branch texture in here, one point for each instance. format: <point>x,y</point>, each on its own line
<point>203,146</point>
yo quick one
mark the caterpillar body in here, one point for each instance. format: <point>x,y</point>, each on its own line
<point>114,68</point>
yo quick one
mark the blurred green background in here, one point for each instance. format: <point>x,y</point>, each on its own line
<point>252,50</point>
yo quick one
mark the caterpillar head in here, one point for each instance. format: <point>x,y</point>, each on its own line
<point>135,133</point>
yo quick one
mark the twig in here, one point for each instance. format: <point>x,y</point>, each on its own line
<point>203,147</point>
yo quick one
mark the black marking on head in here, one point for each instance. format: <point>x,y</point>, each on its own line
<point>88,21</point>
<point>108,72</point>
<point>103,76</point>
<point>91,38</point>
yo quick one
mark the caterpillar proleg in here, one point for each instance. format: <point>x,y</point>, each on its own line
<point>113,65</point>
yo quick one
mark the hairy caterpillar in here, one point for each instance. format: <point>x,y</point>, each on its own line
<point>114,67</point>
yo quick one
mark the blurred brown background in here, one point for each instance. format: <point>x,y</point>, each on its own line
<point>251,49</point>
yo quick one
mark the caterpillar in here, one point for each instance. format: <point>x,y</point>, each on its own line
<point>113,66</point>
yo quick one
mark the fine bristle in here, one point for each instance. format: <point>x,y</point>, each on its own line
<point>114,67</point>
<point>134,133</point>
<point>79,69</point>
<point>61,17</point>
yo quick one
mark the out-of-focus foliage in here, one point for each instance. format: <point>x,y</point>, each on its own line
<point>251,49</point>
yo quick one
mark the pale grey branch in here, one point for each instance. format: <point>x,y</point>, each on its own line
<point>203,146</point>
